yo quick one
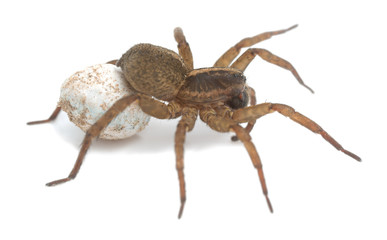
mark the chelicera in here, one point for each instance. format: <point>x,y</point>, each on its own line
<point>167,86</point>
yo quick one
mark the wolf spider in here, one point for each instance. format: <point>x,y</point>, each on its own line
<point>167,86</point>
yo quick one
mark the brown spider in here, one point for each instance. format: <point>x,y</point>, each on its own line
<point>167,86</point>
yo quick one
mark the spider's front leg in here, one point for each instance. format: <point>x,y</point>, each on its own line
<point>221,121</point>
<point>233,52</point>
<point>257,111</point>
<point>245,59</point>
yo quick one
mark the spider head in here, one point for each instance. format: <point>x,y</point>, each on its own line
<point>239,101</point>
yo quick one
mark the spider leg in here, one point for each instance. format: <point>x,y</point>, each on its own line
<point>257,111</point>
<point>114,62</point>
<point>184,49</point>
<point>226,124</point>
<point>51,118</point>
<point>158,109</point>
<point>246,139</point>
<point>57,109</point>
<point>94,132</point>
<point>185,124</point>
<point>188,117</point>
<point>244,60</point>
<point>147,104</point>
<point>231,54</point>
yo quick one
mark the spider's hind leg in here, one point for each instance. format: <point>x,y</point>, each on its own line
<point>94,132</point>
<point>51,118</point>
<point>257,111</point>
<point>184,49</point>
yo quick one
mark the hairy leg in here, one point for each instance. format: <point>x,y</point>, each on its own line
<point>222,122</point>
<point>257,111</point>
<point>114,62</point>
<point>231,54</point>
<point>244,60</point>
<point>151,106</point>
<point>158,109</point>
<point>246,139</point>
<point>57,109</point>
<point>184,49</point>
<point>94,132</point>
<point>186,124</point>
<point>51,118</point>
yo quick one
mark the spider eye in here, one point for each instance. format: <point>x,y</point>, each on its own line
<point>239,101</point>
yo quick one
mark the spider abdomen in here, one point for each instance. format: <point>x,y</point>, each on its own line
<point>153,70</point>
<point>210,85</point>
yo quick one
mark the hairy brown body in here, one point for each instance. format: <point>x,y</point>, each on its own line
<point>153,70</point>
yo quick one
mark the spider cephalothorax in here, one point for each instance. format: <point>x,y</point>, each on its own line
<point>167,86</point>
<point>212,86</point>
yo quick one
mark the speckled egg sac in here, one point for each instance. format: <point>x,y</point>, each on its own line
<point>88,94</point>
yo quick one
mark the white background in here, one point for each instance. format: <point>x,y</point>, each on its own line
<point>129,190</point>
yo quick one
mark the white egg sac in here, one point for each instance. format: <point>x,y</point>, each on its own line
<point>88,94</point>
